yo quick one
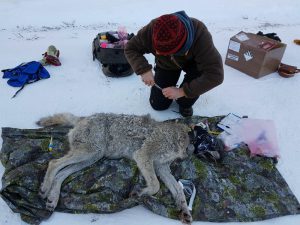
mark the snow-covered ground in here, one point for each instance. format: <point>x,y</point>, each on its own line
<point>28,27</point>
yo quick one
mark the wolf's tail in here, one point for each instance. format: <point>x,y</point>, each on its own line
<point>58,119</point>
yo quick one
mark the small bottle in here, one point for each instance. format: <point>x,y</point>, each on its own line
<point>50,146</point>
<point>103,37</point>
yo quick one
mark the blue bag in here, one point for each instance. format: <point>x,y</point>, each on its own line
<point>25,73</point>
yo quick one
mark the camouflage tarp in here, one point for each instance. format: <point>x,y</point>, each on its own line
<point>238,188</point>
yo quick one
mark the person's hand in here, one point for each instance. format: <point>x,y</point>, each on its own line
<point>148,78</point>
<point>173,92</point>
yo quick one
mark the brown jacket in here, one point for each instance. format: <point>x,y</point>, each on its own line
<point>202,53</point>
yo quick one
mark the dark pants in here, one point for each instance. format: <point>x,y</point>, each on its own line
<point>169,78</point>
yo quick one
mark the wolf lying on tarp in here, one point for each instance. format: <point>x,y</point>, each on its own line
<point>153,145</point>
<point>238,188</point>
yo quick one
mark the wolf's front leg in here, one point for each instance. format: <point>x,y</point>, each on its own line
<point>164,172</point>
<point>147,170</point>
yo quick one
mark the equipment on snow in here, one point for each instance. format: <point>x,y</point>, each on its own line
<point>189,191</point>
<point>51,57</point>
<point>287,71</point>
<point>269,35</point>
<point>108,49</point>
<point>259,135</point>
<point>206,145</point>
<point>25,73</point>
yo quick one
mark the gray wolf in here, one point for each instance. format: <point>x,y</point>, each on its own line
<point>152,145</point>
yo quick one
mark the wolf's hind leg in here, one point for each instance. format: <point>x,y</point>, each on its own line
<point>53,196</point>
<point>56,165</point>
<point>164,172</point>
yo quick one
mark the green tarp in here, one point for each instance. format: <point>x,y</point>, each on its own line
<point>238,188</point>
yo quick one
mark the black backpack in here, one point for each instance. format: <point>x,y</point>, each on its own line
<point>111,54</point>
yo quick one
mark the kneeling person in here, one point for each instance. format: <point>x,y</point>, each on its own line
<point>179,43</point>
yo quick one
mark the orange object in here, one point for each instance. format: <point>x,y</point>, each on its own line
<point>297,41</point>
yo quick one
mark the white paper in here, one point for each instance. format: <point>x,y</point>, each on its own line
<point>242,37</point>
<point>232,57</point>
<point>234,46</point>
<point>228,121</point>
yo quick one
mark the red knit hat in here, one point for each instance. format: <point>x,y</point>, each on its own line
<point>168,35</point>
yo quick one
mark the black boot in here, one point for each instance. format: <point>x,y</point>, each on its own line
<point>185,112</point>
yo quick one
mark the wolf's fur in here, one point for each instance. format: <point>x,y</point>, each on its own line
<point>153,145</point>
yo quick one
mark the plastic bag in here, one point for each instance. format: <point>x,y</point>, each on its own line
<point>259,135</point>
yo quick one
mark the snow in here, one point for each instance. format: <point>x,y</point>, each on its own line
<point>28,27</point>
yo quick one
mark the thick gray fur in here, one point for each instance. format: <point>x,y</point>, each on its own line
<point>152,145</point>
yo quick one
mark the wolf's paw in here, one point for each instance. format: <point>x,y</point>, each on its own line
<point>185,216</point>
<point>135,193</point>
<point>42,194</point>
<point>50,206</point>
<point>52,201</point>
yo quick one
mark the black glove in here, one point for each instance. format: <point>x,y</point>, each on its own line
<point>270,35</point>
